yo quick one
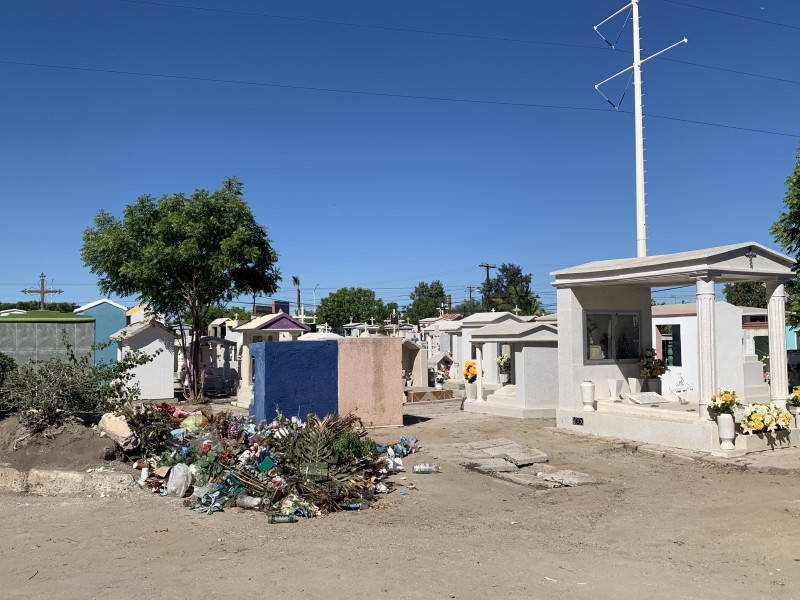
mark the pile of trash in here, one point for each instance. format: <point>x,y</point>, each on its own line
<point>288,468</point>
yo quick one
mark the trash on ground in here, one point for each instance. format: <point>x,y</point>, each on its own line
<point>287,467</point>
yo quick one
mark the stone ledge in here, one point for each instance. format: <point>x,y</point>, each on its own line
<point>53,482</point>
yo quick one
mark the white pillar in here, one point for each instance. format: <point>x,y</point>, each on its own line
<point>706,344</point>
<point>776,316</point>
<point>479,366</point>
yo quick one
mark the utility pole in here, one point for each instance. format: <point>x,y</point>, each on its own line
<point>486,266</point>
<point>636,67</point>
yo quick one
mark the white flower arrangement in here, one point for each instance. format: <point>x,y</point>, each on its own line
<point>765,417</point>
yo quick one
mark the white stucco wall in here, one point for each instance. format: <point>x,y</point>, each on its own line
<point>536,375</point>
<point>728,358</point>
<point>155,379</point>
<point>689,364</point>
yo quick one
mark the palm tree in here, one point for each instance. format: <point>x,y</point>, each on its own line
<point>296,283</point>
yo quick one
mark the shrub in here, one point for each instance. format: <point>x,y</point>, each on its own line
<point>45,391</point>
<point>7,365</point>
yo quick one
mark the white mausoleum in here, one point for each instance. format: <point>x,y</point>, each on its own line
<point>604,324</point>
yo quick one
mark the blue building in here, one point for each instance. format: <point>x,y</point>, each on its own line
<point>109,318</point>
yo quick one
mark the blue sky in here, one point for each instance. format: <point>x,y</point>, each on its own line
<point>390,180</point>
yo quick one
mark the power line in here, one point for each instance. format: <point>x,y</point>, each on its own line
<point>730,14</point>
<point>472,36</point>
<point>383,94</point>
<point>362,25</point>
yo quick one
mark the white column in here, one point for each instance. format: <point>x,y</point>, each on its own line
<point>706,344</point>
<point>776,315</point>
<point>479,365</point>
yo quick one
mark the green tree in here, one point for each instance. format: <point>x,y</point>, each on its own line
<point>787,233</point>
<point>358,304</point>
<point>183,255</point>
<point>217,311</point>
<point>511,289</point>
<point>468,307</point>
<point>746,293</point>
<point>66,307</point>
<point>425,300</point>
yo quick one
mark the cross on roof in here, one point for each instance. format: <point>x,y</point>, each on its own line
<point>41,291</point>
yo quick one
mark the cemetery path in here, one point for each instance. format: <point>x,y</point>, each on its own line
<point>655,527</point>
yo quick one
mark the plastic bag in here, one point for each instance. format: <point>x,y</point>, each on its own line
<point>180,478</point>
<point>194,421</point>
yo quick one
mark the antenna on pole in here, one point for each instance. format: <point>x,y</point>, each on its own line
<point>636,67</point>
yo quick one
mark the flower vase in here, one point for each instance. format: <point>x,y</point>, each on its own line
<point>503,377</point>
<point>438,385</point>
<point>587,396</point>
<point>726,428</point>
<point>793,411</point>
<point>652,385</point>
<point>471,390</point>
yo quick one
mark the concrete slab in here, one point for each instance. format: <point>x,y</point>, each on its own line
<point>12,481</point>
<point>569,478</point>
<point>525,457</point>
<point>491,443</point>
<point>47,482</point>
<point>501,451</point>
<point>529,480</point>
<point>491,465</point>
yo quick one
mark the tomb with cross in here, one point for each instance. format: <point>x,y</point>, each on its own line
<point>42,290</point>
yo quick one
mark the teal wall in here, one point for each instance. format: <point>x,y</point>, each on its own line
<point>791,338</point>
<point>108,319</point>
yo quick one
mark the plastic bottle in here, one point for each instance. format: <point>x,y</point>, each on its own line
<point>282,519</point>
<point>424,468</point>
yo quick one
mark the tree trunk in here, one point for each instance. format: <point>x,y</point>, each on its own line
<point>198,376</point>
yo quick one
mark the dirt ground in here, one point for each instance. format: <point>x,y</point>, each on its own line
<point>71,445</point>
<point>655,528</point>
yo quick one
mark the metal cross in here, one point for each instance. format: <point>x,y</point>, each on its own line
<point>751,255</point>
<point>41,291</point>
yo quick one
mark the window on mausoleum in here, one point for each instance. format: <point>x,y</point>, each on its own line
<point>613,335</point>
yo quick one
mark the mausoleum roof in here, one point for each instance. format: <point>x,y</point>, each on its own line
<point>517,332</point>
<point>748,261</point>
<point>80,309</point>
<point>135,329</point>
<point>487,318</point>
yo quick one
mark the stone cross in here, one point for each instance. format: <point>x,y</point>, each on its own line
<point>680,389</point>
<point>517,310</point>
<point>41,291</point>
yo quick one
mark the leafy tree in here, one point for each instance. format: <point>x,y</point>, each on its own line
<point>26,305</point>
<point>746,293</point>
<point>217,311</point>
<point>182,255</point>
<point>787,233</point>
<point>512,289</point>
<point>425,300</point>
<point>358,304</point>
<point>468,307</point>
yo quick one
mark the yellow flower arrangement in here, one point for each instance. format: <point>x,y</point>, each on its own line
<point>765,417</point>
<point>724,401</point>
<point>651,367</point>
<point>470,371</point>
<point>794,397</point>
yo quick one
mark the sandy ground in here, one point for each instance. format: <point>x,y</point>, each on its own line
<point>654,528</point>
